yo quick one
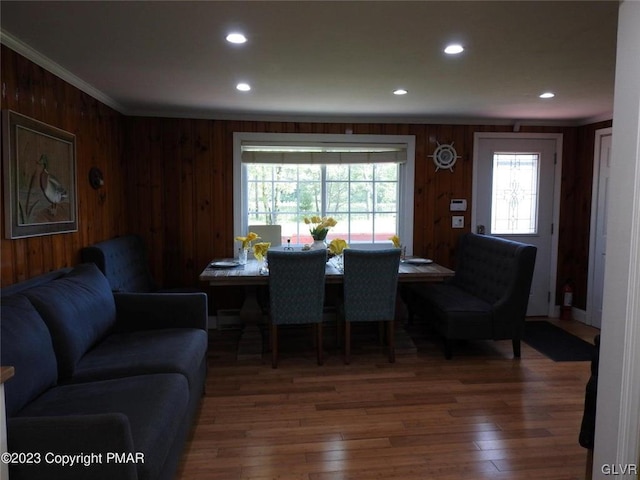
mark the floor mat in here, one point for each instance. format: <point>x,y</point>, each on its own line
<point>556,343</point>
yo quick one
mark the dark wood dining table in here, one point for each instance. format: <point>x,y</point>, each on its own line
<point>228,273</point>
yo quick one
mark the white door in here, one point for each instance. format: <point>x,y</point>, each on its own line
<point>514,197</point>
<point>598,241</point>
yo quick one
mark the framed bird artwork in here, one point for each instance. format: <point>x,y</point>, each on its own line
<point>40,177</point>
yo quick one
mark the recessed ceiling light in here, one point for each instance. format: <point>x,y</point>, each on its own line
<point>454,49</point>
<point>243,87</point>
<point>547,95</point>
<point>236,38</point>
<point>400,91</point>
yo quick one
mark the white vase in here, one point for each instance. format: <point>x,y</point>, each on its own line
<point>242,256</point>
<point>318,245</point>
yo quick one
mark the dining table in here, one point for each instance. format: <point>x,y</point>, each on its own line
<point>226,272</point>
<point>253,275</point>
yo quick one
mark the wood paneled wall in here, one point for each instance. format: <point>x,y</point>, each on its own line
<point>30,90</point>
<point>575,212</point>
<point>181,178</point>
<point>170,180</point>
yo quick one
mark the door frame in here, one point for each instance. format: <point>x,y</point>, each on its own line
<point>595,187</point>
<point>553,310</point>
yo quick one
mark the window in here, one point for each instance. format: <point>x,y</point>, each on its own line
<point>362,197</point>
<point>365,182</point>
<point>514,208</point>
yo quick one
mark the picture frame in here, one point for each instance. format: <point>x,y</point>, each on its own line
<point>40,177</point>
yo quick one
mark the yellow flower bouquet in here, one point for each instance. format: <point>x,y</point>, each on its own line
<point>246,245</point>
<point>397,244</point>
<point>246,241</point>
<point>319,226</point>
<point>337,246</point>
<point>260,250</point>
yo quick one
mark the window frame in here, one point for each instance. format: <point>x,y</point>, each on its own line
<point>406,175</point>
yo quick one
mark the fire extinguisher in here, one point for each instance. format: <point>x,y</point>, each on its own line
<point>567,301</point>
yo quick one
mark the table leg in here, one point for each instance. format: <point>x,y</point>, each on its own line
<point>250,343</point>
<point>404,342</point>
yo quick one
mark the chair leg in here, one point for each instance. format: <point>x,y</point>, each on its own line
<point>411,314</point>
<point>347,342</point>
<point>407,298</point>
<point>274,346</point>
<point>448,350</point>
<point>319,342</point>
<point>392,340</point>
<point>516,347</point>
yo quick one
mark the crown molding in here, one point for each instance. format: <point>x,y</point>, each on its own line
<point>36,57</point>
<point>353,119</point>
<point>597,119</point>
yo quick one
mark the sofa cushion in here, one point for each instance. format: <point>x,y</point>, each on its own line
<point>79,310</point>
<point>155,405</point>
<point>33,282</point>
<point>173,350</point>
<point>26,345</point>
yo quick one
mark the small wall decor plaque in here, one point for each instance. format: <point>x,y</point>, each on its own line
<point>445,156</point>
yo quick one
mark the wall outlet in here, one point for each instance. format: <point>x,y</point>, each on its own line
<point>457,221</point>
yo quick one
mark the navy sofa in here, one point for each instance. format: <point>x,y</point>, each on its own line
<point>486,298</point>
<point>100,374</point>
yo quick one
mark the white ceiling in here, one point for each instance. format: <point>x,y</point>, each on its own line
<point>337,60</point>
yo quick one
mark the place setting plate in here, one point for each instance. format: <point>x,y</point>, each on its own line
<point>224,264</point>
<point>418,261</point>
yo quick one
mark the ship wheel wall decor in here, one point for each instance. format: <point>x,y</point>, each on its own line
<point>445,156</point>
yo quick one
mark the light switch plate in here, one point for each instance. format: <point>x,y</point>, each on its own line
<point>457,221</point>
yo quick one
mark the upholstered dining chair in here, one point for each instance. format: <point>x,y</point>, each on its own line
<point>296,293</point>
<point>370,286</point>
<point>268,233</point>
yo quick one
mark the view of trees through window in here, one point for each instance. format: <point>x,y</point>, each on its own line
<point>362,197</point>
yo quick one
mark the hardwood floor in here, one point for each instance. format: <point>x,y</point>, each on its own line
<point>481,415</point>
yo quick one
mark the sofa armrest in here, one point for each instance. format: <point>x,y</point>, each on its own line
<point>87,440</point>
<point>148,311</point>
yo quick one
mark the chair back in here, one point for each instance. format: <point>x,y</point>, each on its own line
<point>268,233</point>
<point>296,286</point>
<point>370,284</point>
